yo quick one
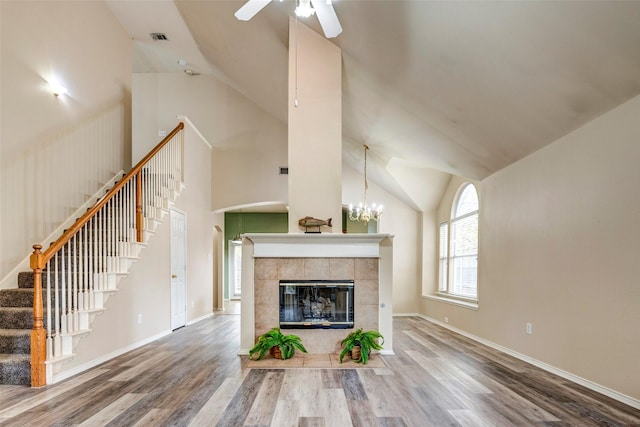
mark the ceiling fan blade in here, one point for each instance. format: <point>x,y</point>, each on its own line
<point>250,8</point>
<point>327,17</point>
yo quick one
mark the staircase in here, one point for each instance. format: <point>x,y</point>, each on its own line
<point>16,321</point>
<point>83,267</point>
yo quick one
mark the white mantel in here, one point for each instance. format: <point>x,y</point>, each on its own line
<point>281,245</point>
<point>299,245</point>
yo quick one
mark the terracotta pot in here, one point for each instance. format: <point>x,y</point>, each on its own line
<point>275,352</point>
<point>355,353</point>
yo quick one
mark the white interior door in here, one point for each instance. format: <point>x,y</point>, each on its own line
<point>178,269</point>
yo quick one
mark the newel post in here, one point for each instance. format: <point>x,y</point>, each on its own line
<point>38,334</point>
<point>139,217</point>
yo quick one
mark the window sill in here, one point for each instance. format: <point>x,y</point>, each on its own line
<point>448,299</point>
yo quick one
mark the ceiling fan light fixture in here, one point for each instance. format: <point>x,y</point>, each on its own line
<point>323,9</point>
<point>304,9</point>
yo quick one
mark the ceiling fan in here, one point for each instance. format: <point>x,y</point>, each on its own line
<point>304,8</point>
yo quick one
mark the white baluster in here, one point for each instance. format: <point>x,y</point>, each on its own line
<point>57,315</point>
<point>79,268</point>
<point>74,315</point>
<point>85,266</point>
<point>63,297</point>
<point>92,262</point>
<point>49,342</point>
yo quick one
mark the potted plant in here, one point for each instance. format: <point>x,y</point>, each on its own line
<point>279,345</point>
<point>360,344</point>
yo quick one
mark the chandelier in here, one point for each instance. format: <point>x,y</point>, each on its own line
<point>363,212</point>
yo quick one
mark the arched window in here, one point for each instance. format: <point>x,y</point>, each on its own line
<point>458,275</point>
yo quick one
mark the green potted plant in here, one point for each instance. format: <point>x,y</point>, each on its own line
<point>360,344</point>
<point>279,345</point>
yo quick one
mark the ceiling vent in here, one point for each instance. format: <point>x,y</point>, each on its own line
<point>159,36</point>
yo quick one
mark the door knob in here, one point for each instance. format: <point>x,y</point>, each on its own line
<point>173,276</point>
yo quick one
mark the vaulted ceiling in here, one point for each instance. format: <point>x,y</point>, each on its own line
<point>433,87</point>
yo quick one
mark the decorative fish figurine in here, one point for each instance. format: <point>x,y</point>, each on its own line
<point>309,221</point>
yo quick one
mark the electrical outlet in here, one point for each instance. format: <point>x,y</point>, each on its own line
<point>529,328</point>
<point>446,319</point>
<point>139,318</point>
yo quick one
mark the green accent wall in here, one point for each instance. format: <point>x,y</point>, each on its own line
<point>250,222</point>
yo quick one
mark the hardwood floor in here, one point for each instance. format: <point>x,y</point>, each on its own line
<point>194,378</point>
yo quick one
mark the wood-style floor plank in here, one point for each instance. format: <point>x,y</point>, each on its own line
<point>215,406</point>
<point>194,377</point>
<point>238,409</point>
<point>152,418</point>
<point>264,405</point>
<point>107,414</point>
<point>286,413</point>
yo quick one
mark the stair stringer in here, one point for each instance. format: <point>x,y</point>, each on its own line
<point>67,343</point>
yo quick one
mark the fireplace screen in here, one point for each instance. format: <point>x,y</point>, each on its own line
<point>316,304</point>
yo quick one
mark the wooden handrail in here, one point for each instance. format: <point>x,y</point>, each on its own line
<point>39,259</point>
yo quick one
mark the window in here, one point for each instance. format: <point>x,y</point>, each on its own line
<point>235,269</point>
<point>444,257</point>
<point>458,266</point>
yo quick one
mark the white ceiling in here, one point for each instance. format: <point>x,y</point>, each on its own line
<point>432,87</point>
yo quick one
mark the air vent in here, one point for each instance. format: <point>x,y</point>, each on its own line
<point>284,170</point>
<point>159,36</point>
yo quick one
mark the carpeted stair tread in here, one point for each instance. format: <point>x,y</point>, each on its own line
<point>25,279</point>
<point>16,297</point>
<point>16,341</point>
<point>15,369</point>
<point>16,318</point>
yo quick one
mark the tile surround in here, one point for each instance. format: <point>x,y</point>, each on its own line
<point>364,272</point>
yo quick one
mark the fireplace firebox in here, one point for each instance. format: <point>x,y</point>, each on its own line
<point>306,304</point>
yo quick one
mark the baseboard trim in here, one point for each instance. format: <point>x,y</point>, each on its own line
<point>627,400</point>
<point>105,358</point>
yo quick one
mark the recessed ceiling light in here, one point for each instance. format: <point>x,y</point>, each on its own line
<point>56,87</point>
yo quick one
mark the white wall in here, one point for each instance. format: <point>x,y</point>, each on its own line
<point>559,248</point>
<point>404,223</point>
<point>57,151</point>
<point>249,144</point>
<point>315,127</point>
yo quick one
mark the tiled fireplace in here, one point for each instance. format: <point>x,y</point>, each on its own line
<point>313,304</point>
<point>363,260</point>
